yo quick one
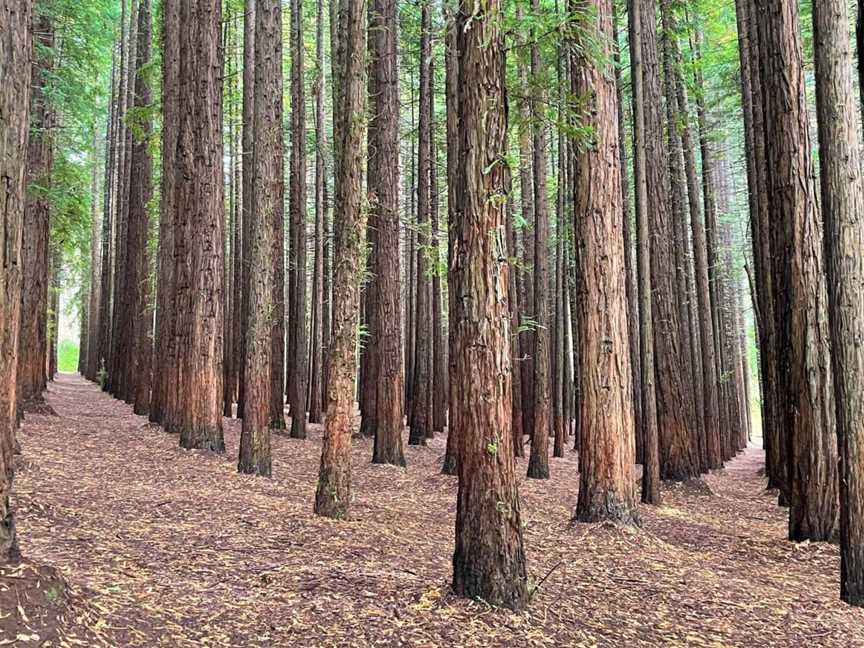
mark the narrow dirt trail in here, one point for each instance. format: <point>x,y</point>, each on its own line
<point>174,548</point>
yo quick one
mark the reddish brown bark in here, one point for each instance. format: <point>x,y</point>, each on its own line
<point>805,386</point>
<point>33,334</point>
<point>383,181</point>
<point>538,463</point>
<point>606,487</point>
<point>15,61</point>
<point>451,58</point>
<point>267,188</point>
<point>842,204</point>
<point>198,229</point>
<point>140,193</point>
<point>333,490</point>
<point>649,432</point>
<point>489,559</point>
<point>298,382</point>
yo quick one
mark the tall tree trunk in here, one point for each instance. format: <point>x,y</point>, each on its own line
<point>268,189</point>
<point>451,59</point>
<point>316,357</point>
<point>166,372</point>
<point>383,181</point>
<point>298,382</point>
<point>708,362</point>
<point>198,228</point>
<point>538,462</point>
<point>90,361</point>
<point>421,422</point>
<point>649,432</point>
<point>515,358</point>
<point>15,64</point>
<point>333,491</point>
<point>248,144</point>
<point>842,203</point>
<point>125,278</point>
<point>140,193</point>
<point>606,487</point>
<point>805,387</point>
<point>33,335</point>
<point>773,436</point>
<point>678,215</point>
<point>526,191</point>
<point>677,459</point>
<point>489,559</point>
<point>629,265</point>
<point>440,390</point>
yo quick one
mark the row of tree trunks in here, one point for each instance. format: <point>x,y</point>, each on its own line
<point>297,377</point>
<point>333,490</point>
<point>15,69</point>
<point>804,388</point>
<point>385,335</point>
<point>842,203</point>
<point>33,336</point>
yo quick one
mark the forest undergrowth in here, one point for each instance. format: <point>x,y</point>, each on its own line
<point>157,546</point>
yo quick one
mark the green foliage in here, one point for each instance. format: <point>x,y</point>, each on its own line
<point>67,356</point>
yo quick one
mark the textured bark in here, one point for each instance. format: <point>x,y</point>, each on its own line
<point>526,301</point>
<point>805,386</point>
<point>489,559</point>
<point>557,347</point>
<point>421,421</point>
<point>710,211</point>
<point>775,467</point>
<point>649,432</point>
<point>383,181</point>
<point>198,229</point>
<point>708,362</point>
<point>842,203</point>
<point>440,384</point>
<point>267,192</point>
<point>33,335</point>
<point>248,144</point>
<point>606,489</point>
<point>513,302</point>
<point>629,265</point>
<point>678,214</point>
<point>140,193</point>
<point>165,372</point>
<point>333,490</point>
<point>234,266</point>
<point>90,366</point>
<point>298,383</point>
<point>15,63</point>
<point>538,462</point>
<point>316,356</point>
<point>125,277</point>
<point>677,459</point>
<point>451,58</point>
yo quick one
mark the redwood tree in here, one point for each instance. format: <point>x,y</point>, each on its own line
<point>33,336</point>
<point>489,559</point>
<point>198,228</point>
<point>606,486</point>
<point>842,204</point>
<point>15,55</point>
<point>383,180</point>
<point>333,491</point>
<point>805,387</point>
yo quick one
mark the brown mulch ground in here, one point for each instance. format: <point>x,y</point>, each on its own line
<point>166,547</point>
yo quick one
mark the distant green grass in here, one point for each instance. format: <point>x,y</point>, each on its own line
<point>67,356</point>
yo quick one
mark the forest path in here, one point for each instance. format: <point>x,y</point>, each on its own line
<point>174,548</point>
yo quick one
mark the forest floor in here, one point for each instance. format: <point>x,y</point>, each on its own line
<point>165,547</point>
